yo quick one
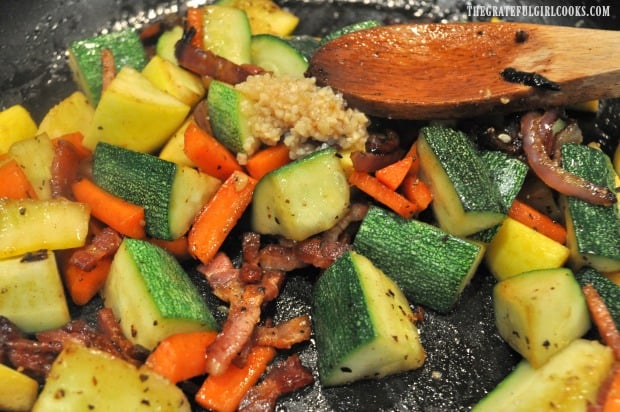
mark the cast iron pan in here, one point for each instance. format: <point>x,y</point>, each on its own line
<point>466,357</point>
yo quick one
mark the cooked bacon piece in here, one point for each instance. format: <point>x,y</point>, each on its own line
<point>104,243</point>
<point>356,213</point>
<point>250,248</point>
<point>208,64</point>
<point>200,115</point>
<point>286,334</point>
<point>284,377</point>
<point>320,253</point>
<point>280,257</point>
<point>32,358</point>
<point>109,326</point>
<point>65,167</point>
<point>223,278</point>
<point>371,162</point>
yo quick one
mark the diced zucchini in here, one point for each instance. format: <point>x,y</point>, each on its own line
<point>87,379</point>
<point>229,123</point>
<point>85,59</point>
<point>72,114</point>
<point>166,44</point>
<point>431,266</point>
<point>465,200</point>
<point>508,175</point>
<point>540,312</point>
<point>593,231</point>
<point>31,291</point>
<point>227,33</point>
<point>302,198</point>
<point>35,157</point>
<point>274,54</point>
<point>606,288</point>
<point>174,80</point>
<point>170,193</point>
<point>16,124</point>
<point>363,324</point>
<point>18,392</point>
<point>29,225</point>
<point>350,28</point>
<point>304,44</point>
<point>265,16</point>
<point>569,381</point>
<point>517,248</point>
<point>152,296</point>
<point>135,114</point>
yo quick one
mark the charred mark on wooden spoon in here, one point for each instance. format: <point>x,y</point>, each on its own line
<point>532,79</point>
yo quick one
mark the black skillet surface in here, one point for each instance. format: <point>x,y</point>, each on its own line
<point>466,357</point>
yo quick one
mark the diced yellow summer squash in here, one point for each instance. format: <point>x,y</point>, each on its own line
<point>134,114</point>
<point>73,114</point>
<point>517,248</point>
<point>16,124</point>
<point>18,392</point>
<point>265,16</point>
<point>32,292</point>
<point>29,225</point>
<point>174,80</point>
<point>35,155</point>
<point>174,150</point>
<point>87,379</point>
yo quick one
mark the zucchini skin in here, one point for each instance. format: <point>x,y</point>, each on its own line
<point>606,288</point>
<point>431,266</point>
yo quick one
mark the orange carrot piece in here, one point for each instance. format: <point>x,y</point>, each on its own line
<point>602,319</point>
<point>177,247</point>
<point>393,175</point>
<point>108,68</point>
<point>181,356</point>
<point>211,156</point>
<point>416,191</point>
<point>194,20</point>
<point>218,217</point>
<point>383,194</point>
<point>611,401</point>
<point>124,217</point>
<point>223,393</point>
<point>266,160</point>
<point>83,285</point>
<point>14,183</point>
<point>76,140</point>
<point>538,221</point>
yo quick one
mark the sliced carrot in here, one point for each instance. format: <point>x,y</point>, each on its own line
<point>383,194</point>
<point>223,393</point>
<point>218,217</point>
<point>266,160</point>
<point>611,401</point>
<point>181,356</point>
<point>124,217</point>
<point>538,221</point>
<point>602,319</point>
<point>14,183</point>
<point>194,20</point>
<point>83,285</point>
<point>76,140</point>
<point>416,191</point>
<point>208,154</point>
<point>177,247</point>
<point>393,175</point>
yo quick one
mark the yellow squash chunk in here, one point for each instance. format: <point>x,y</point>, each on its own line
<point>28,225</point>
<point>18,391</point>
<point>134,114</point>
<point>73,114</point>
<point>86,379</point>
<point>35,155</point>
<point>517,248</point>
<point>174,80</point>
<point>174,150</point>
<point>265,16</point>
<point>15,124</point>
<point>32,292</point>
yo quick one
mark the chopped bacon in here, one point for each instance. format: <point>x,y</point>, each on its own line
<point>320,253</point>
<point>284,377</point>
<point>104,243</point>
<point>371,162</point>
<point>280,257</point>
<point>356,213</point>
<point>286,334</point>
<point>223,278</point>
<point>65,167</point>
<point>32,358</point>
<point>110,327</point>
<point>251,272</point>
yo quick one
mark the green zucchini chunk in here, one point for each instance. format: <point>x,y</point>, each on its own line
<point>227,32</point>
<point>274,54</point>
<point>85,59</point>
<point>152,296</point>
<point>431,266</point>
<point>540,312</point>
<point>304,44</point>
<point>171,194</point>
<point>606,288</point>
<point>302,198</point>
<point>465,200</point>
<point>569,381</point>
<point>363,324</point>
<point>593,231</point>
<point>360,25</point>
<point>167,42</point>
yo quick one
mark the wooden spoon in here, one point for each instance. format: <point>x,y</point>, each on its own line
<point>454,70</point>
